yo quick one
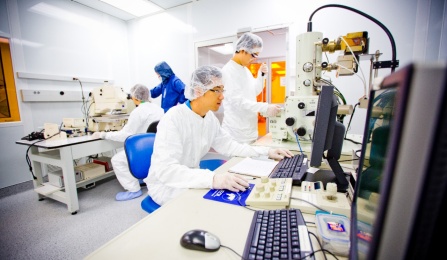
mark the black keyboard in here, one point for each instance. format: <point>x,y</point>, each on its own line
<point>278,234</point>
<point>294,167</point>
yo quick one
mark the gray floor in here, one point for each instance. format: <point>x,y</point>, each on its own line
<point>32,229</point>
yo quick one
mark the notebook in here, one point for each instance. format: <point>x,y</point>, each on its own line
<point>254,167</point>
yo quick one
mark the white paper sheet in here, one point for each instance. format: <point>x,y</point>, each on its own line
<point>254,167</point>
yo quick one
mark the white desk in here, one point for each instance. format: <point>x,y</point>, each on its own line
<point>62,153</point>
<point>157,236</point>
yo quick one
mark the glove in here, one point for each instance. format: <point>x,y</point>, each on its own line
<point>96,135</point>
<point>279,153</point>
<point>229,181</point>
<point>263,69</point>
<point>273,110</point>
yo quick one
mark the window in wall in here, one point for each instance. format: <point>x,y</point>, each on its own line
<point>9,108</point>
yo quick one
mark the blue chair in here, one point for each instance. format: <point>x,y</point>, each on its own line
<point>138,148</point>
<point>211,164</point>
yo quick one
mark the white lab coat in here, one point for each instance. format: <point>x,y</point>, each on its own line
<point>240,105</point>
<point>183,138</point>
<point>139,120</point>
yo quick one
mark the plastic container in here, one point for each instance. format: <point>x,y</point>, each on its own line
<point>333,232</point>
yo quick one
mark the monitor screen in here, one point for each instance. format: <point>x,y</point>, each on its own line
<point>402,175</point>
<point>328,138</point>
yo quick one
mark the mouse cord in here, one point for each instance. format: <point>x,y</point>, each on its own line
<point>303,200</point>
<point>231,250</point>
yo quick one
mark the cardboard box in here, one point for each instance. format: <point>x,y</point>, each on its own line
<point>90,170</point>
<point>57,179</point>
<point>106,161</point>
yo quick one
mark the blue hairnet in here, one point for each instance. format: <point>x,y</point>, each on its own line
<point>164,70</point>
<point>202,79</point>
<point>250,43</point>
<point>140,92</point>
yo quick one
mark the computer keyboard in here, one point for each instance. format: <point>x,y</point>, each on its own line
<point>294,167</point>
<point>278,234</point>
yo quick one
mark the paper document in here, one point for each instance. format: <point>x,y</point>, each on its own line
<point>254,167</point>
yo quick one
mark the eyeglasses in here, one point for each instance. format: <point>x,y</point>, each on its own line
<point>217,91</point>
<point>254,55</point>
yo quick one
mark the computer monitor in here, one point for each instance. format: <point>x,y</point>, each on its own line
<point>328,138</point>
<point>398,208</point>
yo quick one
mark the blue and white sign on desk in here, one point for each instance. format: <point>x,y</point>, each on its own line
<point>227,196</point>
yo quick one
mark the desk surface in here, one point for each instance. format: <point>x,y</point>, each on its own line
<point>52,144</point>
<point>157,236</point>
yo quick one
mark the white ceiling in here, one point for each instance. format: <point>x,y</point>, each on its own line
<point>108,9</point>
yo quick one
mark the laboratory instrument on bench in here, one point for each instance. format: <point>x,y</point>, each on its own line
<point>109,109</point>
<point>295,121</point>
<point>297,118</point>
<point>278,234</point>
<point>270,193</point>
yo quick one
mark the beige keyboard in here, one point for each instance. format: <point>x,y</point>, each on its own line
<point>270,193</point>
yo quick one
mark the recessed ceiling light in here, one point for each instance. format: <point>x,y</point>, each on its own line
<point>223,49</point>
<point>135,7</point>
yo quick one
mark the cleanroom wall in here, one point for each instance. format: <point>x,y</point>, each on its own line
<point>56,38</point>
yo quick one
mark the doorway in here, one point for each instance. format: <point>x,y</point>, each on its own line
<point>218,52</point>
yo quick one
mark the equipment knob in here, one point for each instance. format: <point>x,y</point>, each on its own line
<point>325,41</point>
<point>301,131</point>
<point>267,195</point>
<point>324,65</point>
<point>307,82</point>
<point>264,179</point>
<point>290,121</point>
<point>301,105</point>
<point>308,67</point>
<point>260,188</point>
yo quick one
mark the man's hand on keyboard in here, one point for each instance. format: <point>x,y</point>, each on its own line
<point>279,153</point>
<point>229,181</point>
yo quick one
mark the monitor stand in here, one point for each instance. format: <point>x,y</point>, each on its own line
<point>325,176</point>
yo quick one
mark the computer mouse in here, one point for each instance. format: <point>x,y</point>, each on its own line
<point>200,240</point>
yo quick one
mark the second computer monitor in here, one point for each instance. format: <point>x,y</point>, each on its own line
<point>328,138</point>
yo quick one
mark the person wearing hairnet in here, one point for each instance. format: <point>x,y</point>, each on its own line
<point>187,132</point>
<point>171,87</point>
<point>240,105</point>
<point>139,120</point>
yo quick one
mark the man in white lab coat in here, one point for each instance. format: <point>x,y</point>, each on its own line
<point>139,120</point>
<point>240,105</point>
<point>187,132</point>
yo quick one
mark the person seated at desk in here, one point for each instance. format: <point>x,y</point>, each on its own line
<point>187,132</point>
<point>139,120</point>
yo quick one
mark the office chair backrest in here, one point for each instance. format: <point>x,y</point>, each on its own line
<point>211,164</point>
<point>152,127</point>
<point>138,148</point>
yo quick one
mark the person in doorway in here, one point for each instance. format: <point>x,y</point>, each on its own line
<point>139,120</point>
<point>240,105</point>
<point>187,132</point>
<point>171,87</point>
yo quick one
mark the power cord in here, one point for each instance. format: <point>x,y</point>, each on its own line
<point>308,202</point>
<point>319,244</point>
<point>234,251</point>
<point>28,160</point>
<point>84,108</point>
